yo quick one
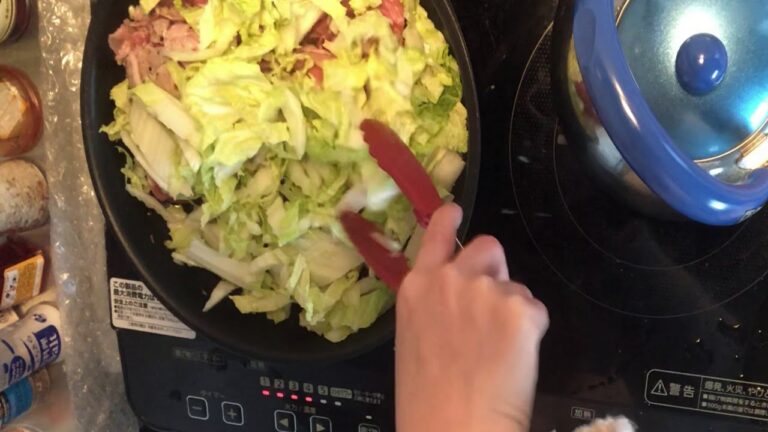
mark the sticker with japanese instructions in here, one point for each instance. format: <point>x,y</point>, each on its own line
<point>708,394</point>
<point>134,307</point>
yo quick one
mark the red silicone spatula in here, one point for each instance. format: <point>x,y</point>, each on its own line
<point>396,159</point>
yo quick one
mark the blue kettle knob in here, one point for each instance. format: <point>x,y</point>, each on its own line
<point>701,64</point>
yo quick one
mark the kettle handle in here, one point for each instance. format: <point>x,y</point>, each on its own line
<point>637,134</point>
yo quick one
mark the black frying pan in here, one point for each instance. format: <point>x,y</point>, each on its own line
<point>184,290</point>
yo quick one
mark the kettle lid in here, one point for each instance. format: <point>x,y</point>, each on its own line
<point>700,67</point>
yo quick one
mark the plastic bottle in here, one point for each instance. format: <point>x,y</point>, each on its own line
<point>54,413</point>
<point>22,396</point>
<point>30,344</point>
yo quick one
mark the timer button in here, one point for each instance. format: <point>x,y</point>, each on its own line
<point>232,413</point>
<point>197,408</point>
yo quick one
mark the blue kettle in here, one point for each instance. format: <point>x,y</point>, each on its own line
<point>667,101</point>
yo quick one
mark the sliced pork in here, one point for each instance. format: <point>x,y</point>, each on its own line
<point>138,43</point>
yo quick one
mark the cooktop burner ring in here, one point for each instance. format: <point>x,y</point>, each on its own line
<point>614,256</point>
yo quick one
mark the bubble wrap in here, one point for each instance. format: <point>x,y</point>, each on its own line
<point>78,255</point>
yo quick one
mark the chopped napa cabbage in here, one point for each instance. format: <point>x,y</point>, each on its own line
<point>357,310</point>
<point>171,113</point>
<point>354,200</point>
<point>243,142</point>
<point>400,220</point>
<point>219,17</point>
<point>447,168</point>
<point>155,149</point>
<point>453,135</point>
<point>151,202</point>
<point>328,258</point>
<point>219,194</point>
<point>256,48</point>
<point>360,6</point>
<point>261,300</point>
<point>262,148</point>
<point>294,117</point>
<point>263,183</point>
<point>414,245</point>
<point>284,220</point>
<point>219,293</point>
<point>305,14</point>
<point>120,96</point>
<point>148,5</point>
<point>370,25</point>
<point>343,74</point>
<point>379,186</point>
<point>223,93</point>
<point>237,272</point>
<point>334,9</point>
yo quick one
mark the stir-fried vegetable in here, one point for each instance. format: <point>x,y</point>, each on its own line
<point>248,113</point>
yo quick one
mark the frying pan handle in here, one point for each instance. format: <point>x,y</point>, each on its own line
<point>637,134</point>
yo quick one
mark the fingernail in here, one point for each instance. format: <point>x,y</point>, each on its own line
<point>459,214</point>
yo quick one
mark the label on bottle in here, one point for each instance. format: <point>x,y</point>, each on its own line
<point>40,349</point>
<point>7,18</point>
<point>17,400</point>
<point>46,346</point>
<point>22,281</point>
<point>29,345</point>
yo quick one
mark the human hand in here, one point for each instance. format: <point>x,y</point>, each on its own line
<point>467,345</point>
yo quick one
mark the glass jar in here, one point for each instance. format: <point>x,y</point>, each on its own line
<point>21,115</point>
<point>14,19</point>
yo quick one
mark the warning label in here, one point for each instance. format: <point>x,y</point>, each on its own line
<point>135,308</point>
<point>659,389</point>
<point>707,394</point>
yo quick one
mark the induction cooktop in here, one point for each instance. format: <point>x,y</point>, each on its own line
<point>664,322</point>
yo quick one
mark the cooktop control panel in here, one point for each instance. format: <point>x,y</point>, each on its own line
<point>183,385</point>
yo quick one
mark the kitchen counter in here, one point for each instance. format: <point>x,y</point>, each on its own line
<point>51,53</point>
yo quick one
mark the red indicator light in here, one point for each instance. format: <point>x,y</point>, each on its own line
<point>294,397</point>
<point>265,392</point>
<point>280,394</point>
<point>308,398</point>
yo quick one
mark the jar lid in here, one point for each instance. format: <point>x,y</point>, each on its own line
<point>14,19</point>
<point>699,67</point>
<point>21,119</point>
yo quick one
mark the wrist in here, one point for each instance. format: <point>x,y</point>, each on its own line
<point>440,417</point>
<point>499,416</point>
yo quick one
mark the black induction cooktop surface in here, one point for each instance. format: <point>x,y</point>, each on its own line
<point>664,322</point>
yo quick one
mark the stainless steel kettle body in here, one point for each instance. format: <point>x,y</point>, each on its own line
<point>666,104</point>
